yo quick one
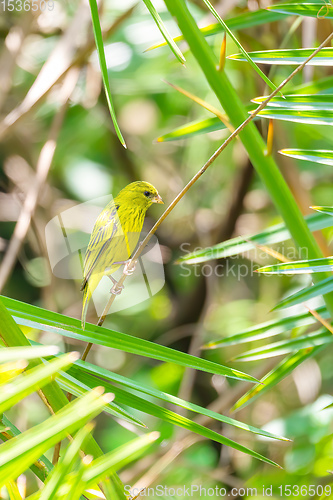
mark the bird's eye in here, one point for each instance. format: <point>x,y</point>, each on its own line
<point>147,193</point>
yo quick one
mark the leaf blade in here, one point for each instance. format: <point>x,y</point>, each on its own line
<point>289,57</point>
<point>102,61</point>
<point>64,325</point>
<point>166,35</point>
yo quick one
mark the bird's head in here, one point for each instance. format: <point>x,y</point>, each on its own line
<point>140,194</point>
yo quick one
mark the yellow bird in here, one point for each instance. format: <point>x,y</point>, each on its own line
<point>115,235</point>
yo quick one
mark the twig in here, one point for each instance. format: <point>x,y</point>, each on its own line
<point>10,53</point>
<point>43,166</point>
<point>43,84</point>
<point>203,169</point>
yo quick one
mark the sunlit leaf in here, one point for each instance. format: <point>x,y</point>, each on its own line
<point>77,388</point>
<point>313,117</point>
<point>313,339</point>
<point>314,87</point>
<point>323,156</point>
<point>65,464</point>
<point>203,104</point>
<point>320,10</point>
<point>104,70</point>
<point>289,57</point>
<point>320,288</point>
<point>32,380</point>
<point>118,458</point>
<point>301,102</point>
<point>18,353</point>
<point>87,369</point>
<point>14,493</point>
<point>213,124</point>
<point>268,329</point>
<point>42,466</point>
<point>274,376</point>
<point>243,21</point>
<point>300,267</point>
<point>238,245</point>
<point>235,40</point>
<point>16,455</point>
<point>325,210</point>
<point>52,395</point>
<point>42,319</point>
<point>166,35</point>
<point>140,404</point>
<point>193,128</point>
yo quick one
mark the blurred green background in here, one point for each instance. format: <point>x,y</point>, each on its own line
<point>197,304</point>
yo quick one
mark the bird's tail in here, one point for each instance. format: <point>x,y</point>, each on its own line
<point>87,292</point>
<point>88,287</point>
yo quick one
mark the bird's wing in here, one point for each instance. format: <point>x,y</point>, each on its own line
<point>104,229</point>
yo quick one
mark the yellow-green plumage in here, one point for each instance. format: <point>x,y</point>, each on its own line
<point>115,235</point>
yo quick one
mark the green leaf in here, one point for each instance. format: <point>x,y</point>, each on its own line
<point>74,386</point>
<point>268,329</point>
<point>314,87</point>
<point>146,406</point>
<point>320,288</point>
<point>236,246</point>
<point>313,117</point>
<point>212,124</point>
<point>56,399</point>
<point>26,314</point>
<point>192,129</point>
<point>65,464</point>
<point>118,458</point>
<point>300,267</point>
<point>14,493</point>
<point>273,377</point>
<point>32,380</point>
<point>166,35</point>
<point>18,353</point>
<point>88,369</point>
<point>286,346</point>
<point>102,62</point>
<point>17,454</point>
<point>42,466</point>
<point>196,127</point>
<point>289,57</point>
<point>312,9</point>
<point>264,164</point>
<point>243,51</point>
<point>243,21</point>
<point>300,102</point>
<point>325,210</point>
<point>322,156</point>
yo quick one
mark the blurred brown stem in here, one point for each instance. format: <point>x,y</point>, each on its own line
<point>43,166</point>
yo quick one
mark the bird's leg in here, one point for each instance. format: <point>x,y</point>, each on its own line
<point>130,270</point>
<point>127,271</point>
<point>116,289</point>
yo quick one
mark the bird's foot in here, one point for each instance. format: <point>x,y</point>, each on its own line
<point>130,267</point>
<point>116,289</point>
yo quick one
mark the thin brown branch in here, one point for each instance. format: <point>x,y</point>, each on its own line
<point>42,169</point>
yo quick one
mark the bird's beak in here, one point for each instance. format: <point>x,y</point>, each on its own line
<point>157,199</point>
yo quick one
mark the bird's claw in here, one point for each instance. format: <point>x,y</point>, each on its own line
<point>116,289</point>
<point>129,268</point>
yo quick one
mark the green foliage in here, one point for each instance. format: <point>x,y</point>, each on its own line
<point>88,163</point>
